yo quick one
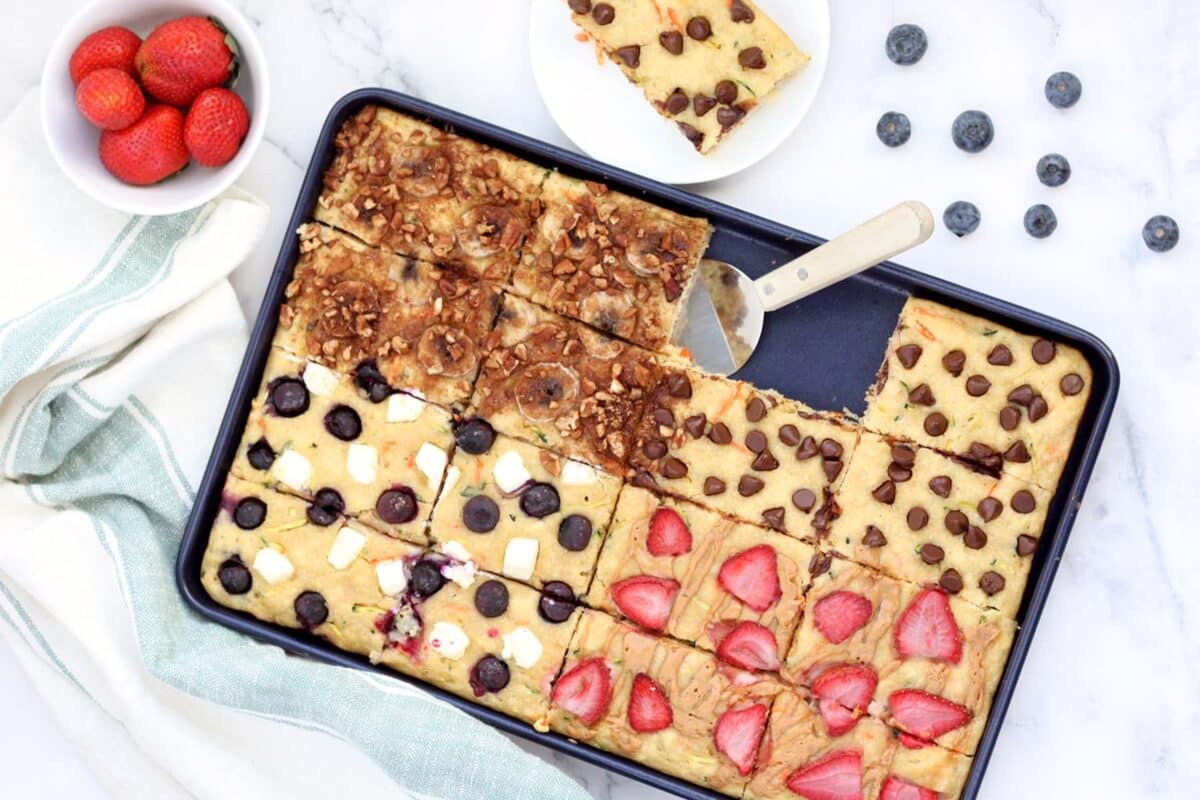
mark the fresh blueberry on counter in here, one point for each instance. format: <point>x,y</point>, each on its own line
<point>906,44</point>
<point>972,131</point>
<point>1053,169</point>
<point>961,218</point>
<point>893,129</point>
<point>1161,233</point>
<point>1040,221</point>
<point>1063,89</point>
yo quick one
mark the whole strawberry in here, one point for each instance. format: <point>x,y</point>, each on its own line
<point>110,99</point>
<point>148,150</point>
<point>183,57</point>
<point>215,126</point>
<point>108,47</point>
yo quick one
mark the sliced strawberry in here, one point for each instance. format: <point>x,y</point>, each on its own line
<point>585,690</point>
<point>838,615</point>
<point>649,710</point>
<point>837,776</point>
<point>926,629</point>
<point>669,534</point>
<point>911,742</point>
<point>750,646</point>
<point>843,693</point>
<point>645,599</point>
<point>899,789</point>
<point>752,576</point>
<point>738,733</point>
<point>926,715</point>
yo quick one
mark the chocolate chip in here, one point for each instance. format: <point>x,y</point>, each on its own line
<point>644,480</point>
<point>807,449</point>
<point>977,385</point>
<point>480,514</point>
<point>249,513</point>
<point>397,505</point>
<point>921,395</point>
<point>833,468</point>
<point>655,449</point>
<point>288,397</point>
<point>694,425</point>
<point>819,564</point>
<point>909,354</point>
<point>1026,545</point>
<point>764,462</point>
<point>1023,502</point>
<point>557,602</point>
<point>885,492</point>
<point>831,449</point>
<point>692,133</point>
<point>728,116</point>
<point>936,423</point>
<point>898,473</point>
<point>821,519</point>
<point>726,92</point>
<point>679,386</point>
<point>631,54</point>
<point>603,13</point>
<point>951,581</point>
<point>804,499</point>
<point>756,441</point>
<point>1071,384</point>
<point>1037,408</point>
<point>774,517</point>
<point>752,58</point>
<point>310,609</point>
<point>672,42</point>
<point>702,104</point>
<point>720,433</point>
<point>1044,351</point>
<point>749,485</point>
<point>1017,453</point>
<point>931,553</point>
<point>1022,395</point>
<point>874,537</point>
<point>989,508</point>
<point>941,485</point>
<point>984,456</point>
<point>677,102</point>
<point>580,6</point>
<point>234,576</point>
<point>756,409</point>
<point>975,538</point>
<point>673,468</point>
<point>740,12</point>
<point>789,434</point>
<point>664,417</point>
<point>713,485</point>
<point>991,582</point>
<point>575,533</point>
<point>903,455</point>
<point>1010,417</point>
<point>957,522</point>
<point>490,674</point>
<point>917,518</point>
<point>699,28</point>
<point>261,455</point>
<point>491,599</point>
<point>1000,355</point>
<point>327,504</point>
<point>954,361</point>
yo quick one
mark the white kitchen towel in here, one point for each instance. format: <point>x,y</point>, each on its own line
<point>119,340</point>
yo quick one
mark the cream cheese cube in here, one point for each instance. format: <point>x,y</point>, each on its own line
<point>520,557</point>
<point>449,640</point>
<point>510,473</point>
<point>391,576</point>
<point>319,379</point>
<point>362,462</point>
<point>292,469</point>
<point>431,460</point>
<point>523,646</point>
<point>346,546</point>
<point>575,473</point>
<point>273,565</point>
<point>403,407</point>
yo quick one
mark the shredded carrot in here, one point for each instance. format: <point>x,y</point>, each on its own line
<point>581,37</point>
<point>687,354</point>
<point>742,448</point>
<point>675,23</point>
<point>657,11</point>
<point>728,404</point>
<point>478,471</point>
<point>928,334</point>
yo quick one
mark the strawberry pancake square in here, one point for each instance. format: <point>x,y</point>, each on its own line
<point>662,703</point>
<point>870,761</point>
<point>913,643</point>
<point>675,567</point>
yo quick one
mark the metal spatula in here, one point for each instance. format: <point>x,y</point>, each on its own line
<point>726,307</point>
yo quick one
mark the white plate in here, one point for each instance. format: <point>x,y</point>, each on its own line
<point>608,118</point>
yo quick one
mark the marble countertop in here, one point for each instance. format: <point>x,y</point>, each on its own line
<point>1108,705</point>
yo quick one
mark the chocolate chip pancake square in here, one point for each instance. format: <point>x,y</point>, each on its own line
<point>902,637</point>
<point>268,557</point>
<point>525,512</point>
<point>967,385</point>
<point>928,519</point>
<point>742,451</point>
<point>617,263</point>
<point>422,192</point>
<point>393,322</point>
<point>704,64</point>
<point>313,433</point>
<point>559,384</point>
<point>483,637</point>
<point>695,687</point>
<point>697,572</point>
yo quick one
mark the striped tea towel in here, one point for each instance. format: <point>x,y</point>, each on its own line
<point>119,340</point>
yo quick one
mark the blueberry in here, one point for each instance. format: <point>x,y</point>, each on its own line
<point>1063,89</point>
<point>893,129</point>
<point>371,381</point>
<point>397,505</point>
<point>557,602</point>
<point>234,576</point>
<point>344,423</point>
<point>250,513</point>
<point>475,436</point>
<point>489,674</point>
<point>539,500</point>
<point>491,598</point>
<point>426,579</point>
<point>1053,169</point>
<point>961,218</point>
<point>310,609</point>
<point>972,131</point>
<point>906,44</point>
<point>575,532</point>
<point>326,505</point>
<point>480,514</point>
<point>1161,233</point>
<point>289,397</point>
<point>1040,221</point>
<point>261,455</point>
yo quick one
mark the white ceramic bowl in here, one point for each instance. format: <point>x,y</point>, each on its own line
<point>74,142</point>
